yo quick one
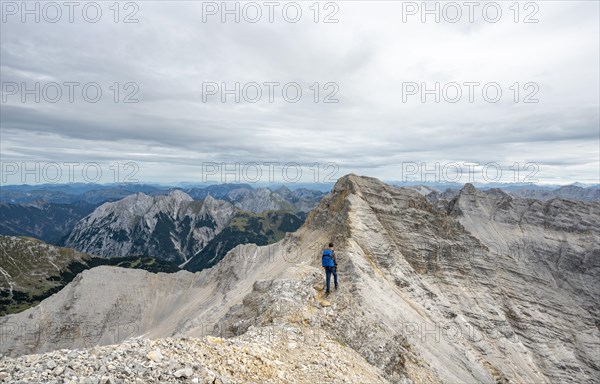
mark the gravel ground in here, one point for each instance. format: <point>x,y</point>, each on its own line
<point>275,354</point>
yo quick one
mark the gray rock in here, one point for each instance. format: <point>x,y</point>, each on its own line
<point>127,226</point>
<point>486,287</point>
<point>185,372</point>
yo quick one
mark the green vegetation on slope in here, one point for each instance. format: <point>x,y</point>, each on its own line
<point>246,227</point>
<point>31,270</point>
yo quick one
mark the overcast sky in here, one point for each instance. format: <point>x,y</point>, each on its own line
<point>176,132</point>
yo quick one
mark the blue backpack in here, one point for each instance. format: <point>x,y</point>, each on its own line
<point>327,259</point>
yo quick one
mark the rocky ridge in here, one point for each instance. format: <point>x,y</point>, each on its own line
<point>176,228</point>
<point>489,288</point>
<point>275,354</point>
<point>258,200</point>
<point>173,227</point>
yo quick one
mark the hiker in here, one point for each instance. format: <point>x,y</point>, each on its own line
<point>330,264</point>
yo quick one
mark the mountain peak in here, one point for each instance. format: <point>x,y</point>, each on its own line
<point>179,195</point>
<point>171,227</point>
<point>283,191</point>
<point>469,188</point>
<point>362,195</point>
<point>209,199</point>
<point>353,182</point>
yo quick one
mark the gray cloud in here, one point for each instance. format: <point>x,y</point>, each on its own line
<point>170,53</point>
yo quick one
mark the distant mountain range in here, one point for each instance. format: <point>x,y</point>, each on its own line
<point>50,212</point>
<point>49,222</point>
<point>261,199</point>
<point>73,193</point>
<point>303,197</point>
<point>98,193</point>
<point>568,192</point>
<point>194,234</point>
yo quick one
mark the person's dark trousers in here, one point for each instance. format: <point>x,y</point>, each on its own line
<point>328,272</point>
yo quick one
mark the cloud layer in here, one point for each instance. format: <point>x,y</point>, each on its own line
<point>163,60</point>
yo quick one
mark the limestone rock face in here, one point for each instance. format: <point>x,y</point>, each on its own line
<point>486,288</point>
<point>172,227</point>
<point>259,200</point>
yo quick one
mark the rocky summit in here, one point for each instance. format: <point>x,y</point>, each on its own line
<point>173,227</point>
<point>484,287</point>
